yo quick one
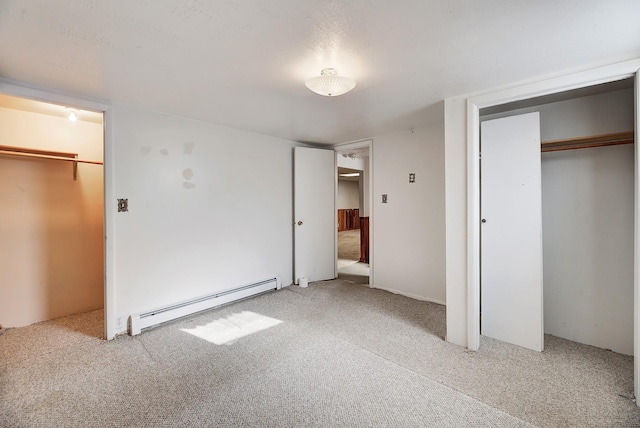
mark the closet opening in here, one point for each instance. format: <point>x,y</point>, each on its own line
<point>52,222</point>
<point>587,168</point>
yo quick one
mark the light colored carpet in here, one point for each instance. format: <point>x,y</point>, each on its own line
<point>344,355</point>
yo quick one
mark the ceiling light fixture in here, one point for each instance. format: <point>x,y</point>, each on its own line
<point>329,83</point>
<point>71,114</point>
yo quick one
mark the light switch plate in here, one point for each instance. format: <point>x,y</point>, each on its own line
<point>384,198</point>
<point>123,205</point>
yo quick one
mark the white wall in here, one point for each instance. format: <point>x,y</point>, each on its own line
<point>455,160</point>
<point>351,163</point>
<point>604,113</point>
<point>409,245</point>
<point>587,200</point>
<point>51,227</point>
<point>365,187</point>
<point>587,213</point>
<point>348,195</point>
<point>209,209</point>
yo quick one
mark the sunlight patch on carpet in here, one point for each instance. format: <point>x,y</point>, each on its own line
<point>225,331</point>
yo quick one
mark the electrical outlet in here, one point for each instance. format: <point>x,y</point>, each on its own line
<point>384,198</point>
<point>412,177</point>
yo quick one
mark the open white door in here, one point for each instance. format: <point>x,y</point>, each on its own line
<point>511,231</point>
<point>314,214</point>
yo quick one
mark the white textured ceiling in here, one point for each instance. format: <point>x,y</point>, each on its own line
<point>243,63</point>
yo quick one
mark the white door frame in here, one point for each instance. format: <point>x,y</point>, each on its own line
<point>352,146</point>
<point>23,90</point>
<point>591,77</point>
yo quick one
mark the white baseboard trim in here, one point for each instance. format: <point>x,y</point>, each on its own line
<point>413,296</point>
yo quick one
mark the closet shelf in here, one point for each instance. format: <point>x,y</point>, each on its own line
<point>588,142</point>
<point>46,154</point>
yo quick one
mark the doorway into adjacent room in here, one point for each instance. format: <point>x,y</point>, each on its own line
<point>352,204</point>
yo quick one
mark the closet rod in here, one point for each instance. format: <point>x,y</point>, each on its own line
<point>42,154</point>
<point>34,155</point>
<point>603,140</point>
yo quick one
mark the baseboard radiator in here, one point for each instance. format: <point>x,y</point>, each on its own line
<point>138,322</point>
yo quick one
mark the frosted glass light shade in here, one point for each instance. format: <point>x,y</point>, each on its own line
<point>329,83</point>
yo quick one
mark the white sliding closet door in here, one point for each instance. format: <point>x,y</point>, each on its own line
<point>511,231</point>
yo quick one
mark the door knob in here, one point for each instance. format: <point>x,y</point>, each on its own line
<point>484,220</point>
<point>299,222</point>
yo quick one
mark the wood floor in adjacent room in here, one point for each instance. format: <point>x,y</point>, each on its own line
<point>333,354</point>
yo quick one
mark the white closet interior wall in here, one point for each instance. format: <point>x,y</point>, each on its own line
<point>348,195</point>
<point>587,215</point>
